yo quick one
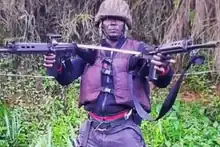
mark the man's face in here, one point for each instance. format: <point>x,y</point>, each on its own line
<point>113,27</point>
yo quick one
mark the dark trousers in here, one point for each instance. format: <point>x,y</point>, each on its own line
<point>125,134</point>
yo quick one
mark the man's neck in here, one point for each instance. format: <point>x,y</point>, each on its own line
<point>112,42</point>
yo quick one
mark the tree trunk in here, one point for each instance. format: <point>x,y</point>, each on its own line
<point>217,35</point>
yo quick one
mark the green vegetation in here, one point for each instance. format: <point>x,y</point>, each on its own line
<point>193,121</point>
<point>37,112</point>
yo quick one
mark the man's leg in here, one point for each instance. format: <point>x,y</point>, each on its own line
<point>125,135</point>
<point>86,137</point>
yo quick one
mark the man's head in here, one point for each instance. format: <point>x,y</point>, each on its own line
<point>113,18</point>
<point>113,27</point>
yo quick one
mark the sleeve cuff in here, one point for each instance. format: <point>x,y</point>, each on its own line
<point>60,68</point>
<point>165,71</point>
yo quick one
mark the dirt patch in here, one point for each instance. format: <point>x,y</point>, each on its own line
<point>190,96</point>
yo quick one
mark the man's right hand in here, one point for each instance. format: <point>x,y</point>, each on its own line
<point>49,60</point>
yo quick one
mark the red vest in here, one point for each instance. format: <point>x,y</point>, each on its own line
<point>91,79</point>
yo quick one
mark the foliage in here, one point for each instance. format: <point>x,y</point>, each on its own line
<point>38,112</point>
<point>188,124</point>
<point>154,21</point>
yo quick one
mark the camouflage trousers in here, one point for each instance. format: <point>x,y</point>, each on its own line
<point>124,134</point>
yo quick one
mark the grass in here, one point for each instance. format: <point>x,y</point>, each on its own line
<point>189,124</point>
<point>186,126</point>
<point>40,113</point>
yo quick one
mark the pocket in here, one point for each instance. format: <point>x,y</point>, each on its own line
<point>81,132</point>
<point>136,134</point>
<point>84,132</point>
<point>130,135</point>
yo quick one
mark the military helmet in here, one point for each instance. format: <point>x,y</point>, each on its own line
<point>116,8</point>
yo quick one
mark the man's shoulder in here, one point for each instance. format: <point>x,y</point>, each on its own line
<point>141,45</point>
<point>133,40</point>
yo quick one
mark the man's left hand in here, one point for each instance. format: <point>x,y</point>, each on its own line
<point>161,62</point>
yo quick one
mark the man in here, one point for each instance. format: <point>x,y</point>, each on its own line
<point>105,90</point>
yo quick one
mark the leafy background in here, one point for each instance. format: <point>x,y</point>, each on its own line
<point>38,112</point>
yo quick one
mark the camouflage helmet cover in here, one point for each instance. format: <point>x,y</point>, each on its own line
<point>118,8</point>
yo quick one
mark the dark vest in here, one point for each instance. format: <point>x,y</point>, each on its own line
<point>91,79</point>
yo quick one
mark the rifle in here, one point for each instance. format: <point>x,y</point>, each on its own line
<point>176,47</point>
<point>53,46</point>
<point>182,46</point>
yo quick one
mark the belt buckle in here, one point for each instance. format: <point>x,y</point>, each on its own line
<point>127,115</point>
<point>101,129</point>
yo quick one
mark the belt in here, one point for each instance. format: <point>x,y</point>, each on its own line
<point>103,126</point>
<point>103,123</point>
<point>109,118</point>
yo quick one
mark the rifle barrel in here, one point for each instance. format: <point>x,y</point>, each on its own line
<point>179,49</point>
